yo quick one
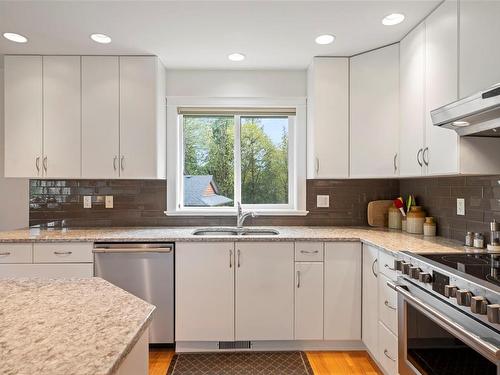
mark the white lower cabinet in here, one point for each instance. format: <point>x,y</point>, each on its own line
<point>264,291</point>
<point>370,299</point>
<point>342,311</point>
<point>309,300</point>
<point>204,291</point>
<point>388,350</point>
<point>53,271</point>
<point>387,304</point>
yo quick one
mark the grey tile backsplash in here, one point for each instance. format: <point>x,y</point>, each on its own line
<point>143,202</point>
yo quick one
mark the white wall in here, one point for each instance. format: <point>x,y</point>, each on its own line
<point>14,193</point>
<point>237,83</point>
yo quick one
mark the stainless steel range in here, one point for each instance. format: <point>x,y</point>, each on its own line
<point>448,313</point>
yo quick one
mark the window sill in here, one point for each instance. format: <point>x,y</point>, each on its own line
<point>233,213</point>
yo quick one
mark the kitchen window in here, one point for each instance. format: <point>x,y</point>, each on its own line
<point>227,155</point>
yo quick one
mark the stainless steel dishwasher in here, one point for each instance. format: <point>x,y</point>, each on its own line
<point>145,270</point>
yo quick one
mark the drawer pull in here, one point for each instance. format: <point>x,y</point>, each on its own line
<point>389,267</point>
<point>386,353</point>
<point>63,252</point>
<point>6,254</point>
<point>388,305</point>
<point>309,252</point>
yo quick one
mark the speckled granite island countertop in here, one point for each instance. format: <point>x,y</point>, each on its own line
<point>389,240</point>
<point>67,327</point>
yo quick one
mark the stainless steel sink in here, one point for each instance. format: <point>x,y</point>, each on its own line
<point>234,231</point>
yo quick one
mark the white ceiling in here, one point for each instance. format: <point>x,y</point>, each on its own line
<point>200,34</point>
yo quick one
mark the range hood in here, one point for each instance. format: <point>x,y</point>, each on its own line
<point>477,115</point>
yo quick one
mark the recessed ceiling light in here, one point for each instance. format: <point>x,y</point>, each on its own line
<point>236,57</point>
<point>460,123</point>
<point>100,38</point>
<point>15,37</point>
<point>393,19</point>
<point>325,39</point>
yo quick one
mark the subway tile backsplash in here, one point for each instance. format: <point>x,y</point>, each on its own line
<point>143,202</point>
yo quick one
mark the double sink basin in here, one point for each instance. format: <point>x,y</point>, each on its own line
<point>234,231</point>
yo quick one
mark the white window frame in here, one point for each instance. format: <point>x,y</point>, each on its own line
<point>296,156</point>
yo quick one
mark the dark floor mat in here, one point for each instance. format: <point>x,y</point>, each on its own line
<point>239,363</point>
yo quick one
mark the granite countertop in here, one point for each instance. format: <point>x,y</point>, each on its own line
<point>72,326</point>
<point>390,240</point>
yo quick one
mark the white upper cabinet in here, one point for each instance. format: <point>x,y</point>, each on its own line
<point>412,84</point>
<point>23,116</point>
<point>374,97</point>
<point>479,45</point>
<point>142,118</point>
<point>100,117</point>
<point>440,154</point>
<point>328,118</point>
<point>61,116</point>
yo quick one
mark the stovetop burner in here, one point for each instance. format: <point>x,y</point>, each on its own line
<point>484,266</point>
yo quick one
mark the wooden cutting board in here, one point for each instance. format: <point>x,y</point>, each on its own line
<point>378,213</point>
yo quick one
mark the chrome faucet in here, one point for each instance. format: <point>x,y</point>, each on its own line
<point>241,217</point>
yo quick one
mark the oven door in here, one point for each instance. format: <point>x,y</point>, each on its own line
<point>435,338</point>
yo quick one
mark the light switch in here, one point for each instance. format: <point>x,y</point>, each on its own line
<point>109,201</point>
<point>87,201</point>
<point>322,201</point>
<point>461,206</point>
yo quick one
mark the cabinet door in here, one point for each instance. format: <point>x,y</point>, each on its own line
<point>411,132</point>
<point>370,299</point>
<point>204,291</point>
<point>142,118</point>
<point>50,271</point>
<point>23,116</point>
<point>61,116</point>
<point>309,301</point>
<point>100,117</point>
<point>374,111</point>
<point>343,291</point>
<point>479,51</point>
<point>264,291</point>
<point>328,118</point>
<point>441,86</point>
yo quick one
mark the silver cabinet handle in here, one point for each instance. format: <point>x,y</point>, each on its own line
<point>37,164</point>
<point>317,165</point>
<point>45,163</point>
<point>5,254</point>
<point>426,152</point>
<point>114,162</point>
<point>395,162</point>
<point>230,258</point>
<point>298,279</point>
<point>309,252</point>
<point>238,258</point>
<point>63,252</point>
<point>389,305</point>
<point>418,157</point>
<point>373,268</point>
<point>122,163</point>
<point>386,353</point>
<point>389,267</point>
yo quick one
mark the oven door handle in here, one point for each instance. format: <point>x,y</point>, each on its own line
<point>477,342</point>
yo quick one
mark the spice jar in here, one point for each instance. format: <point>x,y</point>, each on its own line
<point>415,220</point>
<point>429,226</point>
<point>394,218</point>
<point>479,240</point>
<point>469,239</point>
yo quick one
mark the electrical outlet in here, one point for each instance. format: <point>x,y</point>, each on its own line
<point>461,206</point>
<point>322,201</point>
<point>87,201</point>
<point>109,201</point>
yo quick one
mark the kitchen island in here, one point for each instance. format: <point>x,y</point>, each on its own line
<point>72,326</point>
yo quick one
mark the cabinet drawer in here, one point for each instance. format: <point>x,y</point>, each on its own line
<point>16,253</point>
<point>387,304</point>
<point>388,350</point>
<point>309,251</point>
<point>78,252</point>
<point>51,271</point>
<point>386,265</point>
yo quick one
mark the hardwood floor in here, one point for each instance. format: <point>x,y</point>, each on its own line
<point>322,363</point>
